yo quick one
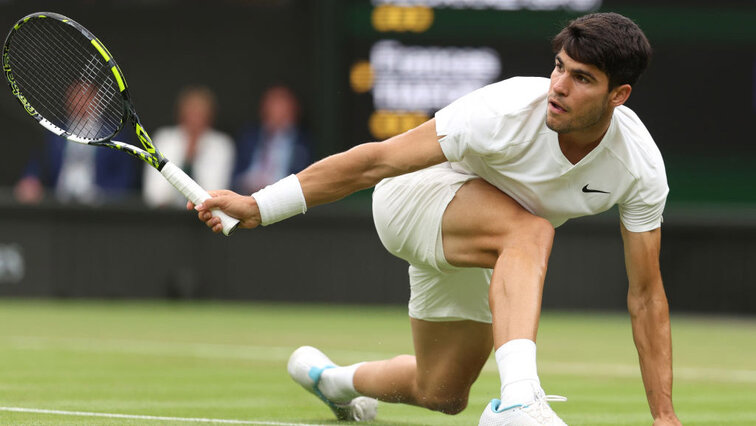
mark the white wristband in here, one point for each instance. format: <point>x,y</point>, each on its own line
<point>280,200</point>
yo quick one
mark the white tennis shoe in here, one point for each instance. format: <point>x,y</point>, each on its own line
<point>307,364</point>
<point>536,413</point>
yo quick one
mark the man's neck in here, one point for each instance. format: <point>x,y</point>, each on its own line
<point>576,145</point>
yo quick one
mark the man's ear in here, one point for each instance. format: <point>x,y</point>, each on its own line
<point>620,94</point>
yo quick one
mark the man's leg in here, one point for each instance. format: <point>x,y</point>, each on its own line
<point>486,228</point>
<point>448,359</point>
<point>481,227</point>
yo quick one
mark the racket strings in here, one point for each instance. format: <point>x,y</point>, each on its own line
<point>85,114</point>
<point>23,60</point>
<point>35,83</point>
<point>65,79</point>
<point>72,116</point>
<point>87,117</point>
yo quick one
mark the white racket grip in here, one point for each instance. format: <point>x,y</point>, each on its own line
<point>194,193</point>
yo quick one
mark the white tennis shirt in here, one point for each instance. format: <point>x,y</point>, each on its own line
<point>499,133</point>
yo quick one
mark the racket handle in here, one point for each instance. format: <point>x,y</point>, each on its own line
<point>194,193</point>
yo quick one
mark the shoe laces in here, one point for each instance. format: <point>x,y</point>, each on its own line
<point>555,398</point>
<point>541,410</point>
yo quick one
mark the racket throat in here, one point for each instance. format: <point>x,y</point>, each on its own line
<point>144,138</point>
<point>161,163</point>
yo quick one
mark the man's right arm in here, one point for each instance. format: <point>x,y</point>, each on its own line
<point>339,175</point>
<point>365,165</point>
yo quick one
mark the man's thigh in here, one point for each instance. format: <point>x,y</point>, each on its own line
<point>477,222</point>
<point>450,355</point>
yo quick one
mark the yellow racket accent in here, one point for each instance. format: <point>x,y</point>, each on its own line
<point>102,50</point>
<point>18,25</point>
<point>144,138</point>
<point>117,74</point>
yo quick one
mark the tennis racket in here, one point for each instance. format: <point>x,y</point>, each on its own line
<point>67,80</point>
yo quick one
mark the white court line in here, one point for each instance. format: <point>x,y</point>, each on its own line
<point>155,418</point>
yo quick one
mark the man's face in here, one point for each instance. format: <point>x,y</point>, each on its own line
<point>578,96</point>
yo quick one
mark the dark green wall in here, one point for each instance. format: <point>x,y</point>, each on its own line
<point>332,254</point>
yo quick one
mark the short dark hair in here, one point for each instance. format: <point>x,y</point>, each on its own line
<point>609,41</point>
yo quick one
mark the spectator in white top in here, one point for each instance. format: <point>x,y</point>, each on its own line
<point>204,153</point>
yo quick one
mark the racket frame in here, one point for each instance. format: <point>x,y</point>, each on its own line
<point>149,154</point>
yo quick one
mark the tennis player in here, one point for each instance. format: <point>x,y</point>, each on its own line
<point>471,199</point>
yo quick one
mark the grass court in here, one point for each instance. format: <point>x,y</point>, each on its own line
<point>161,363</point>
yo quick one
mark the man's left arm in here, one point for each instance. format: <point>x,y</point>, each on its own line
<point>649,313</point>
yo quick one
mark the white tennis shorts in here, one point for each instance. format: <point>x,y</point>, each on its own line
<point>408,211</point>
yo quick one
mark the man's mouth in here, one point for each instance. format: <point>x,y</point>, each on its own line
<point>556,106</point>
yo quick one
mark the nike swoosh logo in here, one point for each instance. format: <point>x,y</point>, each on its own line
<point>586,189</point>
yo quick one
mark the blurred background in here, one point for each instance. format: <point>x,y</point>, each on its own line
<point>242,92</point>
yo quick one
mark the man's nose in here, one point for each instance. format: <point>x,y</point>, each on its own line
<point>561,85</point>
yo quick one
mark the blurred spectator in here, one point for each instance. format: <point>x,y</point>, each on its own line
<point>204,153</point>
<point>274,148</point>
<point>77,172</point>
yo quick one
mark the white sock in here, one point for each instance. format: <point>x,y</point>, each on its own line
<point>517,368</point>
<point>337,384</point>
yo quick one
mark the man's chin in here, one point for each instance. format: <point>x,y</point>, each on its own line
<point>551,124</point>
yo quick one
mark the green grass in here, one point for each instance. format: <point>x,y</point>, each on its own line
<point>227,361</point>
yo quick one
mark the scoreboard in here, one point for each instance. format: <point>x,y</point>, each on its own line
<point>411,66</point>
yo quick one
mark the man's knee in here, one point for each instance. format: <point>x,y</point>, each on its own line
<point>532,237</point>
<point>450,357</point>
<point>445,401</point>
<point>538,230</point>
<point>447,393</point>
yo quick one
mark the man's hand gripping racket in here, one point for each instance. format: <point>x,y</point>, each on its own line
<point>244,208</point>
<point>67,80</point>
